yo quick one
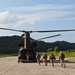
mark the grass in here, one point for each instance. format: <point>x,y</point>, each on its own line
<point>67,54</point>
<point>7,55</point>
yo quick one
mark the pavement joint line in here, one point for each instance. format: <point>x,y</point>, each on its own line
<point>63,71</point>
<point>8,69</point>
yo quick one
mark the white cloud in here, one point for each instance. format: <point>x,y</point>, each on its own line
<point>6,18</point>
<point>44,7</point>
<point>53,13</point>
<point>73,18</point>
<point>9,19</point>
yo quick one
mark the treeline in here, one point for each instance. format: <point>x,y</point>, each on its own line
<point>62,46</point>
<point>9,44</point>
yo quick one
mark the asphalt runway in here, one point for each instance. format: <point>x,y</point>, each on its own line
<point>10,66</point>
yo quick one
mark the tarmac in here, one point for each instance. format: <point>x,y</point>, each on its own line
<point>10,66</point>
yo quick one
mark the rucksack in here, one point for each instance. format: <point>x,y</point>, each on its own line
<point>52,57</point>
<point>45,57</point>
<point>62,56</point>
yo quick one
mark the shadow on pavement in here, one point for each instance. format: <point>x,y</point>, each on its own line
<point>57,61</point>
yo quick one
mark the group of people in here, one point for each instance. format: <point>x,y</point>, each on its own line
<point>51,58</point>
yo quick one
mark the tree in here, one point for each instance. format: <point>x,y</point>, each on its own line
<point>56,49</point>
<point>50,49</point>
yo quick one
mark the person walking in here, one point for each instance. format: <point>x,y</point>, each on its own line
<point>38,56</point>
<point>45,59</point>
<point>52,58</point>
<point>61,59</point>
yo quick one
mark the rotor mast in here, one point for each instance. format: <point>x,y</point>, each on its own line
<point>26,40</point>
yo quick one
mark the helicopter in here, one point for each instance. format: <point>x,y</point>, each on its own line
<point>28,51</point>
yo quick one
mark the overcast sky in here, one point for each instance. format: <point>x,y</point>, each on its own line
<point>38,15</point>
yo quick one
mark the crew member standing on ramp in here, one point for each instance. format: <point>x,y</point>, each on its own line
<point>61,59</point>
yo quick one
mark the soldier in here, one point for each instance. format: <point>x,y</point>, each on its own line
<point>38,56</point>
<point>51,58</point>
<point>28,55</point>
<point>19,56</point>
<point>61,59</point>
<point>45,59</point>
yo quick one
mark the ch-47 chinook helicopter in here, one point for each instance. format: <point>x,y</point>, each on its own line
<point>28,51</point>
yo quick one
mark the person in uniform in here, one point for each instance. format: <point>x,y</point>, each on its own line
<point>45,59</point>
<point>61,59</point>
<point>33,45</point>
<point>38,56</point>
<point>52,58</point>
<point>28,55</point>
<point>19,56</point>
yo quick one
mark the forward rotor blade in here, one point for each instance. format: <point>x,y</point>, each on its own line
<point>12,29</point>
<point>50,37</point>
<point>55,30</point>
<point>38,31</point>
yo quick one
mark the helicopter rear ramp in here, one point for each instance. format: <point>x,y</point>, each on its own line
<point>10,66</point>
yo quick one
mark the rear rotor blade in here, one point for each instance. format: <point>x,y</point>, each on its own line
<point>50,37</point>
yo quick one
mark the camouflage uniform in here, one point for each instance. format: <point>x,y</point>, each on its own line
<point>19,56</point>
<point>51,58</point>
<point>61,59</point>
<point>28,55</point>
<point>45,59</point>
<point>38,56</point>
